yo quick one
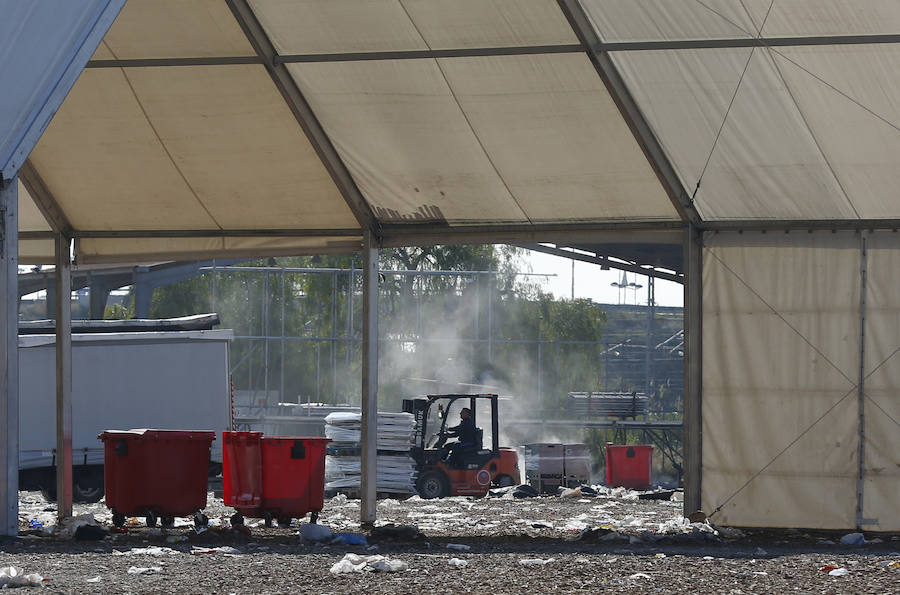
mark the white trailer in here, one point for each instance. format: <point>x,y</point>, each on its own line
<point>173,380</point>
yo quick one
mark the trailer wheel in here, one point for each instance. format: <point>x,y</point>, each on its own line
<point>267,520</point>
<point>151,519</point>
<point>167,521</point>
<point>433,484</point>
<point>118,519</point>
<point>237,519</point>
<point>88,484</point>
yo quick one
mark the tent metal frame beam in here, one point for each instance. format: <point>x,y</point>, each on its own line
<point>45,201</point>
<point>63,285</point>
<point>631,113</point>
<point>216,233</point>
<point>527,50</point>
<point>304,114</point>
<point>807,225</point>
<point>745,42</point>
<point>693,369</point>
<point>605,262</point>
<point>369,397</point>
<point>600,47</point>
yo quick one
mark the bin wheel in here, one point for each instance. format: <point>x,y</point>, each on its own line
<point>267,518</point>
<point>118,519</point>
<point>151,519</point>
<point>314,517</point>
<point>200,520</point>
<point>166,521</point>
<point>237,519</point>
<point>284,521</point>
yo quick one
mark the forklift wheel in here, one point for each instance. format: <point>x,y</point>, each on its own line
<point>433,484</point>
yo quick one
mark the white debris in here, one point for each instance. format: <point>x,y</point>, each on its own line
<point>458,563</point>
<point>339,500</point>
<point>353,563</point>
<point>639,575</point>
<point>139,570</point>
<point>12,576</point>
<point>314,532</point>
<point>459,547</point>
<point>147,551</point>
<point>225,549</point>
<point>96,579</point>
<point>535,561</point>
<point>838,572</point>
<point>69,525</point>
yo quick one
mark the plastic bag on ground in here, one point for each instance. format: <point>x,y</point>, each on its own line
<point>353,563</point>
<point>459,547</point>
<point>139,570</point>
<point>838,572</point>
<point>457,563</point>
<point>853,539</point>
<point>11,576</point>
<point>314,532</point>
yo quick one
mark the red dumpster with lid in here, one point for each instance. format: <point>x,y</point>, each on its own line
<point>275,477</point>
<point>629,466</point>
<point>156,474</point>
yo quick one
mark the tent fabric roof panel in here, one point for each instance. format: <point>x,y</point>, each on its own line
<point>174,29</point>
<point>185,148</point>
<point>757,155</point>
<point>30,217</point>
<point>658,20</point>
<point>406,142</point>
<point>322,26</point>
<point>37,42</point>
<point>556,138</point>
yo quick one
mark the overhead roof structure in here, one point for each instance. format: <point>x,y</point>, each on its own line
<point>256,127</point>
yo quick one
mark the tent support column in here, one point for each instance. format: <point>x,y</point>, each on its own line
<point>369,405</point>
<point>9,358</point>
<point>861,384</point>
<point>693,310</point>
<point>63,281</point>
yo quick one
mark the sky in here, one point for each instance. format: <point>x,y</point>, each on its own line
<point>595,284</point>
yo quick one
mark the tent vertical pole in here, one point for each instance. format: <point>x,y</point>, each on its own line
<point>369,404</point>
<point>693,309</point>
<point>9,359</point>
<point>63,282</point>
<point>861,385</point>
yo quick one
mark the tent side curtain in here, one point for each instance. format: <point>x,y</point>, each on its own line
<point>781,357</point>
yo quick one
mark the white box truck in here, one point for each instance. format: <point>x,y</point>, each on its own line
<point>173,380</point>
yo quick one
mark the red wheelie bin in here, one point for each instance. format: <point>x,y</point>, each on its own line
<point>274,477</point>
<point>157,474</point>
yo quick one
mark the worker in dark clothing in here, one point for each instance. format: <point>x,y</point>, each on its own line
<point>465,433</point>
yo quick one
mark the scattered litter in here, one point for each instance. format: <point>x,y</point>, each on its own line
<point>535,561</point>
<point>659,555</point>
<point>137,570</point>
<point>524,491</point>
<point>225,549</point>
<point>639,575</point>
<point>35,524</point>
<point>853,539</point>
<point>314,532</point>
<point>69,526</point>
<point>176,538</point>
<point>352,563</point>
<point>569,493</point>
<point>12,576</point>
<point>96,579</point>
<point>838,572</point>
<point>350,539</point>
<point>457,563</point>
<point>146,551</point>
<point>827,568</point>
<point>890,563</point>
<point>458,546</point>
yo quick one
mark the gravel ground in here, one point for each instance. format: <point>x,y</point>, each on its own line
<point>625,544</point>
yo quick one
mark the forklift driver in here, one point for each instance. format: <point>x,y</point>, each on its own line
<point>466,435</point>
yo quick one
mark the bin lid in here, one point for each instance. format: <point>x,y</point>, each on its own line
<point>313,439</point>
<point>154,434</point>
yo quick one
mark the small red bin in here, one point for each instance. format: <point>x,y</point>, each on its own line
<point>273,477</point>
<point>629,466</point>
<point>158,473</point>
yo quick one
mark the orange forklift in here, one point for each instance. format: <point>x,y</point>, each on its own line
<point>470,471</point>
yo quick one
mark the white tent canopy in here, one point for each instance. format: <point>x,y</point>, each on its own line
<point>261,127</point>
